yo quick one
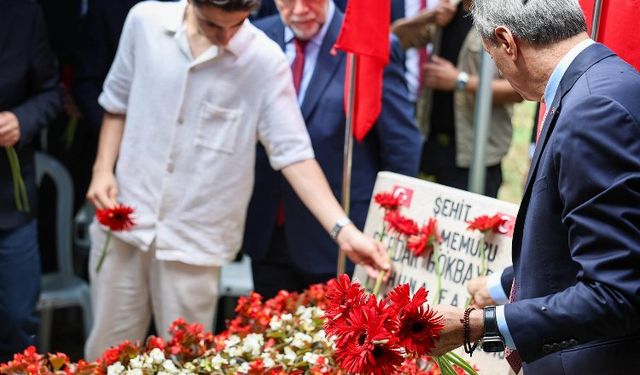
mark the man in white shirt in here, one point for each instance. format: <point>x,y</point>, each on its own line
<point>193,88</point>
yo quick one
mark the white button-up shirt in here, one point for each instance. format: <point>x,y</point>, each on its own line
<point>186,161</point>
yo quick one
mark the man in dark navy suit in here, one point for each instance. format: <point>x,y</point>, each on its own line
<point>29,98</point>
<point>575,300</point>
<point>289,248</point>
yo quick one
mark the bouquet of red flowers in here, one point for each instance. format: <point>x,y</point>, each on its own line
<point>376,337</point>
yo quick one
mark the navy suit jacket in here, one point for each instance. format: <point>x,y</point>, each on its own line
<point>394,144</point>
<point>29,88</point>
<point>576,246</point>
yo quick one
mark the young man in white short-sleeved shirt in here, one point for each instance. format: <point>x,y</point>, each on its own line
<point>194,86</point>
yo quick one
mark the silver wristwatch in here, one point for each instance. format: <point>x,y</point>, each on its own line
<point>461,81</point>
<point>341,223</point>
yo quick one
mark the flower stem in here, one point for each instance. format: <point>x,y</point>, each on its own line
<point>383,274</point>
<point>460,362</point>
<point>436,254</point>
<point>483,256</point>
<point>19,188</point>
<point>104,251</point>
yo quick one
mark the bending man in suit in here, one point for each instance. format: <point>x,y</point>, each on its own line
<point>288,246</point>
<point>575,307</point>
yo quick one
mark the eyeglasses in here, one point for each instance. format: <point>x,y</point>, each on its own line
<point>290,2</point>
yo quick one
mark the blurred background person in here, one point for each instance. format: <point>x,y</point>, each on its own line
<point>446,107</point>
<point>30,97</point>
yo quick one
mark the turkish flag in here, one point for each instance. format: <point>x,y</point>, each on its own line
<point>365,33</point>
<point>619,28</point>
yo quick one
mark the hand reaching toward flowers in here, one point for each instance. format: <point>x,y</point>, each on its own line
<point>452,335</point>
<point>480,293</point>
<point>311,186</point>
<point>363,250</point>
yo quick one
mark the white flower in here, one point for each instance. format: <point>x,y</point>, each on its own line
<point>286,317</point>
<point>253,344</point>
<point>300,340</point>
<point>318,312</point>
<point>232,340</point>
<point>310,358</point>
<point>233,351</point>
<point>170,367</point>
<point>157,356</point>
<point>136,362</point>
<point>135,371</point>
<point>218,361</point>
<point>267,361</point>
<point>244,368</point>
<point>115,369</point>
<point>275,323</point>
<point>289,354</point>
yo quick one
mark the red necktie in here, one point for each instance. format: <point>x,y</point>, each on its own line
<point>542,116</point>
<point>297,68</point>
<point>512,356</point>
<point>423,56</point>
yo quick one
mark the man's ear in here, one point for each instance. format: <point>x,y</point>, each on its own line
<point>506,42</point>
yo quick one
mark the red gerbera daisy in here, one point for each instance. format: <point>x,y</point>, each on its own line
<point>387,200</point>
<point>117,218</point>
<point>400,224</point>
<point>486,223</point>
<point>416,325</point>
<point>369,348</point>
<point>424,242</point>
<point>342,296</point>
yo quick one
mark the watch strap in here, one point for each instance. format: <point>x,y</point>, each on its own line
<point>341,223</point>
<point>490,322</point>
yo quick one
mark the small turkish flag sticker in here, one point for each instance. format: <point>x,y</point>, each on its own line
<point>509,222</point>
<point>404,194</point>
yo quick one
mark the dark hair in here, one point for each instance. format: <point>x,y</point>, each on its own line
<point>230,5</point>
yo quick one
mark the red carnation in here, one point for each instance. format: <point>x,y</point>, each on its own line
<point>401,224</point>
<point>388,201</point>
<point>424,242</point>
<point>486,223</point>
<point>116,219</point>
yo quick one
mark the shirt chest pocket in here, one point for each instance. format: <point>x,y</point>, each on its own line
<point>218,128</point>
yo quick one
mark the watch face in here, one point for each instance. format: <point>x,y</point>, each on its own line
<point>492,344</point>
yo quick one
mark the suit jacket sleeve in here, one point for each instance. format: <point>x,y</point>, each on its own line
<point>506,280</point>
<point>400,139</point>
<point>45,101</point>
<point>597,161</point>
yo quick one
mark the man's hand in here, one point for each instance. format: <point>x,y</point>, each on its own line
<point>363,250</point>
<point>480,293</point>
<point>9,129</point>
<point>452,335</point>
<point>444,13</point>
<point>440,74</point>
<point>103,190</point>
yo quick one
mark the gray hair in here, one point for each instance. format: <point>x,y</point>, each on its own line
<point>230,5</point>
<point>540,22</point>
